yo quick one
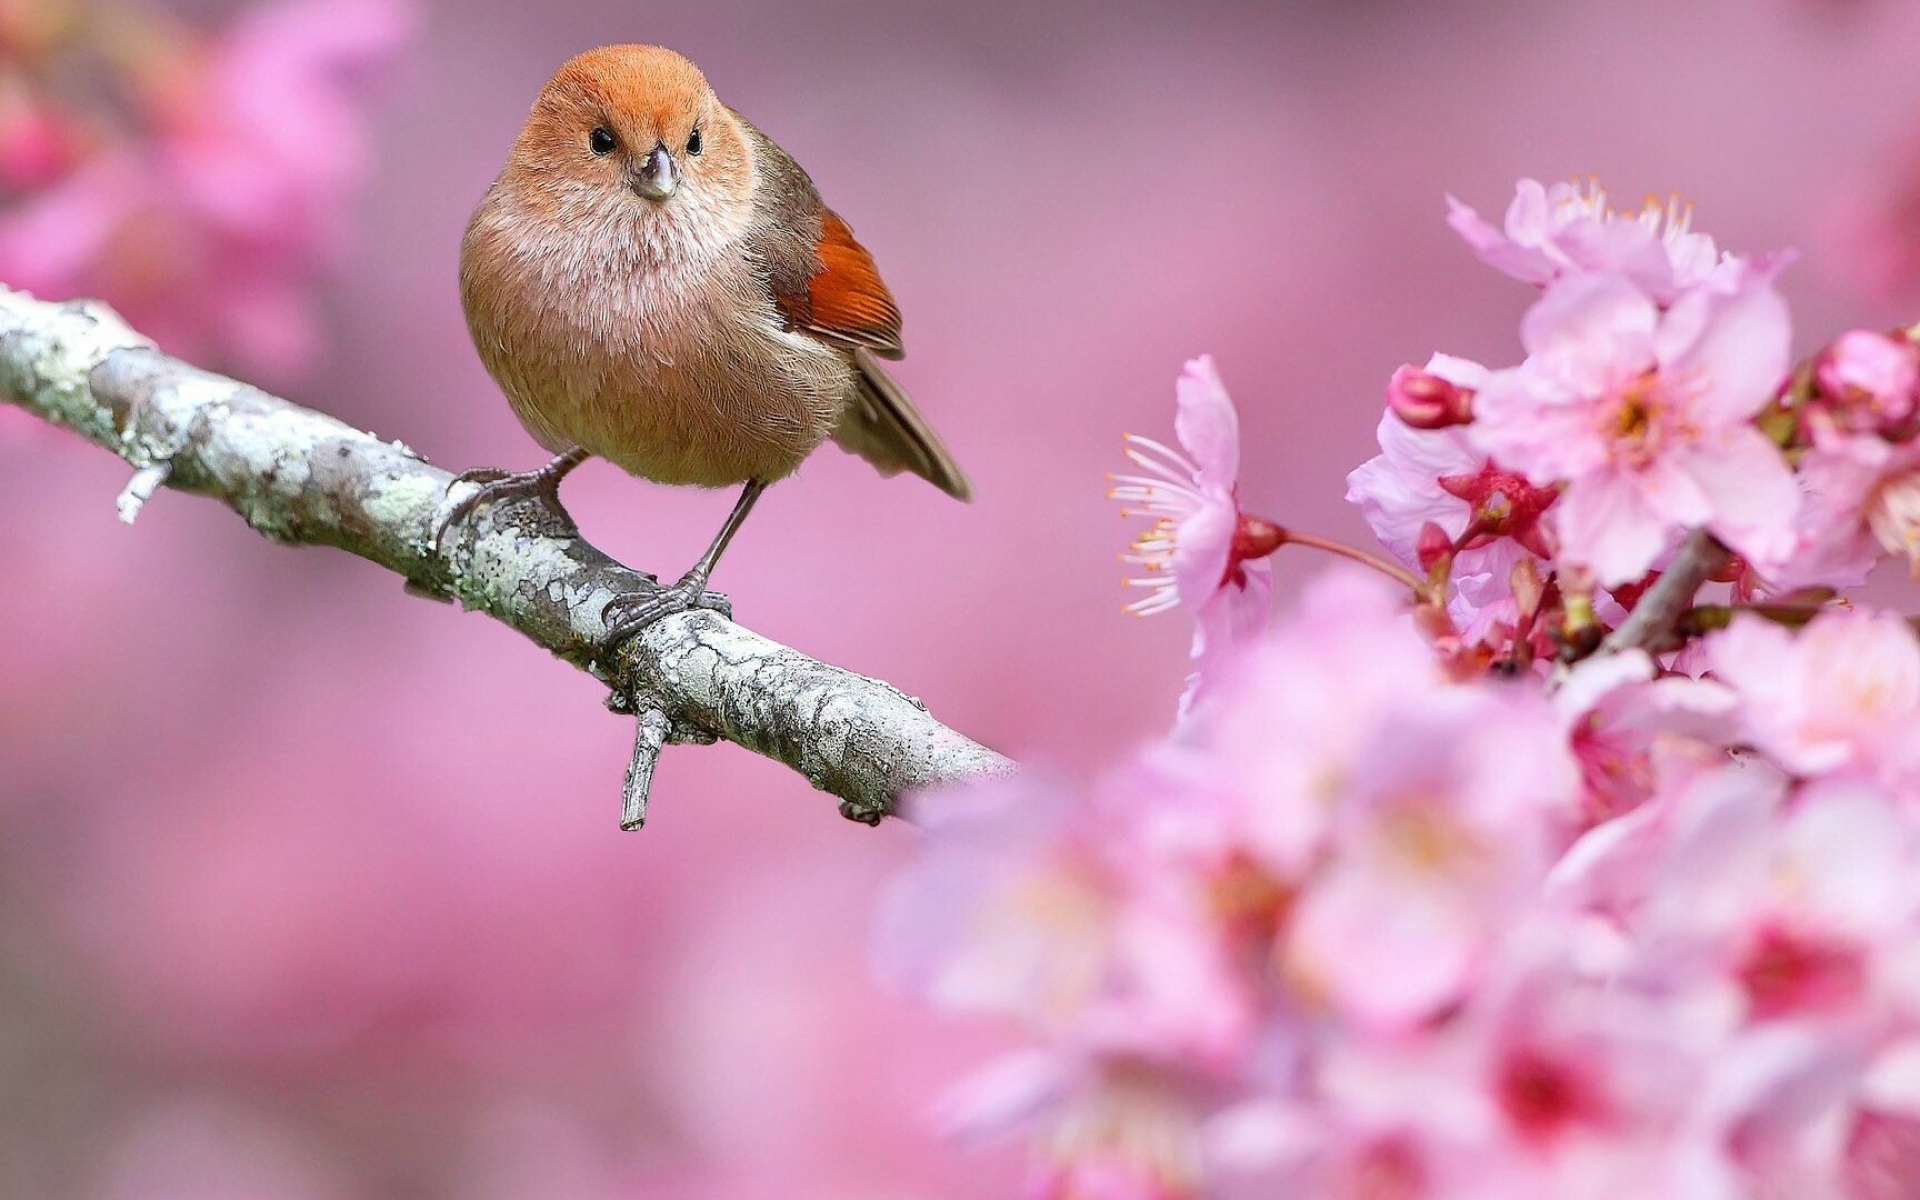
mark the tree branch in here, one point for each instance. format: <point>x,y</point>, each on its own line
<point>1651,624</point>
<point>302,477</point>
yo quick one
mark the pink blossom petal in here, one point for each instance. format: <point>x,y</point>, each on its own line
<point>1207,425</point>
<point>1595,328</point>
<point>1738,345</point>
<point>1751,492</point>
<point>1398,491</point>
<point>1203,545</point>
<point>1841,694</point>
<point>1524,262</point>
<point>1387,957</point>
<point>1669,487</point>
<point>1608,527</point>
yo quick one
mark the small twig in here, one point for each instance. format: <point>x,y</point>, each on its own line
<point>650,734</point>
<point>1707,618</point>
<point>140,489</point>
<point>1652,624</point>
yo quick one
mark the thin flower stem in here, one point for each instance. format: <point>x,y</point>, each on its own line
<point>1392,571</point>
<point>1705,618</point>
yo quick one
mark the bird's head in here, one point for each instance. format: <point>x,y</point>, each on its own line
<point>637,131</point>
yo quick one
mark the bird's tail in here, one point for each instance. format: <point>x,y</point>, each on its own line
<point>883,427</point>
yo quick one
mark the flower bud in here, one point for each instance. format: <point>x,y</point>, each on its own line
<point>1868,381</point>
<point>1426,401</point>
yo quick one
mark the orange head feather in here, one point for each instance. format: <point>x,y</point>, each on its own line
<point>637,126</point>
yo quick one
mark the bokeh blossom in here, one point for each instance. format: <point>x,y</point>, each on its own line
<point>1871,239</point>
<point>1840,696</point>
<point>197,182</point>
<point>1475,943</point>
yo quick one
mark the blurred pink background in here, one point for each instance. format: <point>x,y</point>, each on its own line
<point>310,889</point>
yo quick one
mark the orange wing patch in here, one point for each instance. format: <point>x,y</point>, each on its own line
<point>846,301</point>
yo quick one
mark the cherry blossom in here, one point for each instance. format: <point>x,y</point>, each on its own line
<point>1568,229</point>
<point>1645,416</point>
<point>1201,551</point>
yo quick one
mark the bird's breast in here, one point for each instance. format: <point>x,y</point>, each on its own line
<point>677,369</point>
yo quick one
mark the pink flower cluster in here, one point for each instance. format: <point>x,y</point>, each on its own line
<point>1361,930</point>
<point>197,183</point>
<point>1430,895</point>
<point>1656,397</point>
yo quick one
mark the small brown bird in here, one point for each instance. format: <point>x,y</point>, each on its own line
<point>653,282</point>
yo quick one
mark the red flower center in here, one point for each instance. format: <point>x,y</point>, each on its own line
<point>1543,1094</point>
<point>1786,972</point>
<point>1504,505</point>
<point>1253,537</point>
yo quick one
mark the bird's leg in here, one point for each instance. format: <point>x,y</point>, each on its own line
<point>628,615</point>
<point>497,485</point>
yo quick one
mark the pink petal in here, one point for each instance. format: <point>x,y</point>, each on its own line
<point>1398,490</point>
<point>1461,372</point>
<point>1203,548</point>
<point>1530,422</point>
<point>1207,425</point>
<point>1620,246</point>
<point>1387,956</point>
<point>1595,328</point>
<point>1606,526</point>
<point>1225,626</point>
<point>1525,263</point>
<point>1752,492</point>
<point>1737,345</point>
<point>1529,218</point>
<point>1669,489</point>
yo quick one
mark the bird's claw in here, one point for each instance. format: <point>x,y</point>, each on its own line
<point>627,615</point>
<point>495,485</point>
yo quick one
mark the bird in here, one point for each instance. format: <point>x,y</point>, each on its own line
<point>652,281</point>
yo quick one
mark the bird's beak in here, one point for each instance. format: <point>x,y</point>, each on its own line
<point>657,176</point>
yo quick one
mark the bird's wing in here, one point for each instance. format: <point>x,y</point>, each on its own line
<point>844,301</point>
<point>827,287</point>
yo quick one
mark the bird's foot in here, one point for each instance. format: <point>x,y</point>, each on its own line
<point>628,615</point>
<point>496,485</point>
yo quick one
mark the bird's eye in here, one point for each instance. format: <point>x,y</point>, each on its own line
<point>693,142</point>
<point>601,141</point>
